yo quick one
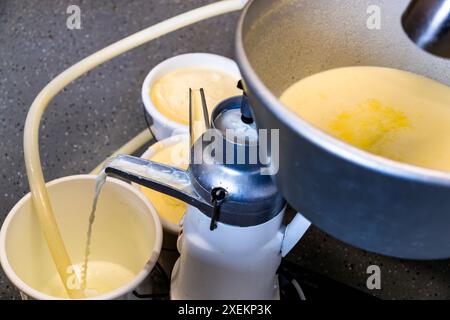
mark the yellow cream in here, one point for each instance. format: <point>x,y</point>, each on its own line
<point>170,93</point>
<point>102,277</point>
<point>177,155</point>
<point>391,113</point>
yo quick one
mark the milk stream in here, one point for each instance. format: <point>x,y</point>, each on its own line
<point>100,181</point>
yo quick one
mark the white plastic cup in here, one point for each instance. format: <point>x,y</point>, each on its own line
<point>126,232</point>
<point>163,127</point>
<point>169,254</point>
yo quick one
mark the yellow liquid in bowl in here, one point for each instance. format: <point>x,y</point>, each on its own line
<point>170,93</point>
<point>391,113</point>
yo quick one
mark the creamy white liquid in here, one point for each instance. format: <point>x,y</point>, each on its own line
<point>391,113</point>
<point>102,277</point>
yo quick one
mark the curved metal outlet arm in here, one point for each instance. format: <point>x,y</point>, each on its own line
<point>159,177</point>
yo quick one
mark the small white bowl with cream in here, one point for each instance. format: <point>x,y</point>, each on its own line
<point>165,91</point>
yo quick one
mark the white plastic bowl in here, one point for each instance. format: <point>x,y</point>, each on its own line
<point>126,231</point>
<point>164,127</point>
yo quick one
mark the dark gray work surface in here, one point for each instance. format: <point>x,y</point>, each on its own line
<point>102,111</point>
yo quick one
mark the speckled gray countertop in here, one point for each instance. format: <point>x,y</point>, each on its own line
<point>101,111</point>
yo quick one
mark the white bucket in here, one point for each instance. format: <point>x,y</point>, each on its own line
<point>164,127</point>
<point>126,233</point>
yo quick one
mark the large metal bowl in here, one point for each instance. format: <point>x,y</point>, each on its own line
<point>367,201</point>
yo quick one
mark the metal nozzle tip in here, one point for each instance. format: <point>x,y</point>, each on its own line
<point>427,23</point>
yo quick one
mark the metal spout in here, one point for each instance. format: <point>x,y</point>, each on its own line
<point>162,178</point>
<point>427,23</point>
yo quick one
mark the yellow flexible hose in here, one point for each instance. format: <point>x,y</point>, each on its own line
<point>36,180</point>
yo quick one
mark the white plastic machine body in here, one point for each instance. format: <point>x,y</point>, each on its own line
<point>233,237</point>
<point>231,262</point>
